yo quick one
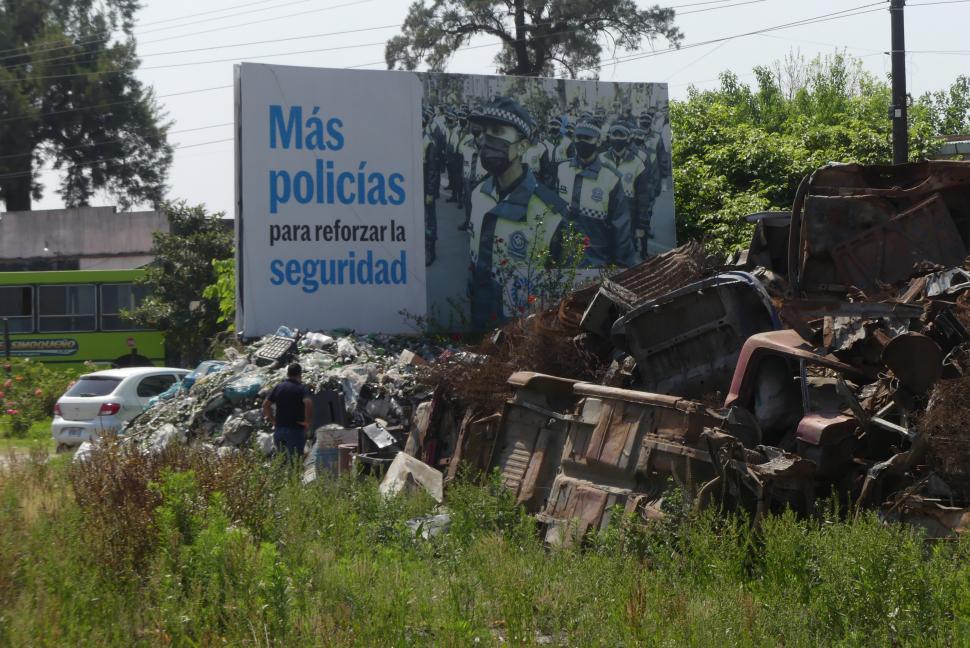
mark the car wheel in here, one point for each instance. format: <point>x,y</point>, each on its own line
<point>63,447</point>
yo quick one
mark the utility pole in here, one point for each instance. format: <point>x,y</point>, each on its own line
<point>898,111</point>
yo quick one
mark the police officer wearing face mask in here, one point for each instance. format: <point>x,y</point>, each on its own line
<point>552,142</point>
<point>472,170</point>
<point>510,208</point>
<point>637,136</point>
<point>637,181</point>
<point>597,202</point>
<point>651,121</point>
<point>432,184</point>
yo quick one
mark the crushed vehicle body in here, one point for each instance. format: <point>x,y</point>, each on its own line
<point>687,341</point>
<point>572,452</point>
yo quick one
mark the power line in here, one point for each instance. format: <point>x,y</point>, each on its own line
<point>114,103</point>
<point>232,45</point>
<point>697,60</point>
<point>119,139</point>
<point>233,15</point>
<point>695,4</point>
<point>205,13</point>
<point>258,22</point>
<point>194,63</point>
<point>158,40</point>
<point>17,174</point>
<point>822,18</point>
<point>837,15</point>
<point>806,21</point>
<point>736,4</point>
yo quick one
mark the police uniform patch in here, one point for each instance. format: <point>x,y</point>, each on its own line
<point>597,194</point>
<point>518,244</point>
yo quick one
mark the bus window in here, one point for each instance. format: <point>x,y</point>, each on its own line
<point>66,308</point>
<point>17,305</point>
<point>116,298</point>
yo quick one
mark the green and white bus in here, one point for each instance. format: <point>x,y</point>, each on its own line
<point>74,316</point>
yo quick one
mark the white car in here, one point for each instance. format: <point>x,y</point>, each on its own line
<point>104,400</point>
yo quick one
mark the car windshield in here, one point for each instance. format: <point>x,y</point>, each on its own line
<point>88,386</point>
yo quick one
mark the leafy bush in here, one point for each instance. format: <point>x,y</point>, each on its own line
<point>28,392</point>
<point>114,487</point>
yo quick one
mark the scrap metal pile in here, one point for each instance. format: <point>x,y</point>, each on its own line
<point>833,356</point>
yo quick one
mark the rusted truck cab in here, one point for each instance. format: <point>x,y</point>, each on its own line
<point>793,394</point>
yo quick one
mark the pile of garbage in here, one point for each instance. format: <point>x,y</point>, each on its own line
<point>356,381</point>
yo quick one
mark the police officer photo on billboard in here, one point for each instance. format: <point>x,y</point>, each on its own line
<point>515,166</point>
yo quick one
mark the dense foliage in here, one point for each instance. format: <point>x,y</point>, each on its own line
<point>69,97</point>
<point>179,274</point>
<point>224,292</point>
<point>740,149</point>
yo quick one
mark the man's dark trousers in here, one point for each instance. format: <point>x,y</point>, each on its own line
<point>291,440</point>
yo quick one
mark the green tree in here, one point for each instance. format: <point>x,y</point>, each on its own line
<point>69,97</point>
<point>224,292</point>
<point>539,37</point>
<point>741,149</point>
<point>952,107</point>
<point>178,276</point>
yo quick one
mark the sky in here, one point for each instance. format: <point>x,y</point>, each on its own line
<point>188,49</point>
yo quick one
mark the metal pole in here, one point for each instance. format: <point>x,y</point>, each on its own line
<point>898,111</point>
<point>6,337</point>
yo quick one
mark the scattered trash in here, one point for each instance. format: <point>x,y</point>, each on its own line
<point>430,526</point>
<point>408,474</point>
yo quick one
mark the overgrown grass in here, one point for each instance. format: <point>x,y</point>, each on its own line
<point>38,436</point>
<point>183,549</point>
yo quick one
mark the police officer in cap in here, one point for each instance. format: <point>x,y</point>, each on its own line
<point>638,181</point>
<point>510,209</point>
<point>597,202</point>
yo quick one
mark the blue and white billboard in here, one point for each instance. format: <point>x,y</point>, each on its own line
<point>373,200</point>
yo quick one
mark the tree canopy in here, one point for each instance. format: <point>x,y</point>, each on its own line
<point>741,149</point>
<point>539,37</point>
<point>69,97</point>
<point>178,276</point>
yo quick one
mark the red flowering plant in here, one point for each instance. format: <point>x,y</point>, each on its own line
<point>536,268</point>
<point>28,392</point>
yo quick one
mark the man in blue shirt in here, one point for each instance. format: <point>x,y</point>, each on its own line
<point>294,413</point>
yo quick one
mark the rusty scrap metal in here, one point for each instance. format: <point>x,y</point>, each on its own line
<point>687,342</point>
<point>856,225</point>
